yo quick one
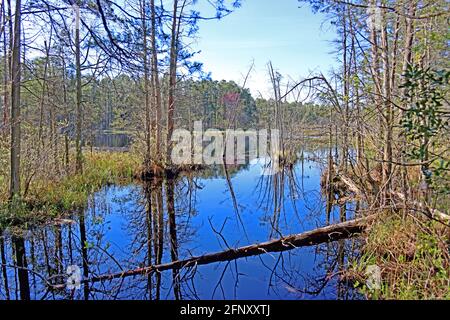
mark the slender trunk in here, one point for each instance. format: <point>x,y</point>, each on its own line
<point>360,131</point>
<point>388,134</point>
<point>172,82</point>
<point>42,99</point>
<point>375,71</point>
<point>15,106</point>
<point>79,112</point>
<point>148,126</point>
<point>66,110</point>
<point>345,129</point>
<point>409,39</point>
<point>156,84</point>
<point>8,44</point>
<point>6,70</point>
<point>407,60</point>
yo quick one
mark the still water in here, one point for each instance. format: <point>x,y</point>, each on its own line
<point>128,227</point>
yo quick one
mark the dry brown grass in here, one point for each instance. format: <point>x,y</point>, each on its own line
<point>413,255</point>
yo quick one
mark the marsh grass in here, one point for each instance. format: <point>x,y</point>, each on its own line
<point>413,256</point>
<point>49,198</point>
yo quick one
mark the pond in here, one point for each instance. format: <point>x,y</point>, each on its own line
<point>129,227</point>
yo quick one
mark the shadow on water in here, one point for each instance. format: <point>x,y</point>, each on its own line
<point>129,227</point>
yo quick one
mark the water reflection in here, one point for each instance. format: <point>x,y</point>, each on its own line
<point>111,140</point>
<point>130,227</point>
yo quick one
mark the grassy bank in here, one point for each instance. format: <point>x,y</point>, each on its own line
<point>47,198</point>
<point>412,254</point>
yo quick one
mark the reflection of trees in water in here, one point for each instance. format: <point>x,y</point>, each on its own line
<point>40,259</point>
<point>280,194</point>
<point>286,188</point>
<point>4,271</point>
<point>22,266</point>
<point>159,229</point>
<point>287,274</point>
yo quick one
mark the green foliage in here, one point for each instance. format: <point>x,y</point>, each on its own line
<point>216,103</point>
<point>294,113</point>
<point>13,212</point>
<point>425,120</point>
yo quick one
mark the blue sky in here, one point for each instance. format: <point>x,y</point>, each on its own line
<point>282,31</point>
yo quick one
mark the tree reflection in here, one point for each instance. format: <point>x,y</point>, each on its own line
<point>22,267</point>
<point>161,221</point>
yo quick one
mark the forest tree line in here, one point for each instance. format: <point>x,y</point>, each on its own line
<point>64,63</point>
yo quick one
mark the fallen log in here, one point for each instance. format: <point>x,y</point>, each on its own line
<point>434,213</point>
<point>350,185</point>
<point>330,233</point>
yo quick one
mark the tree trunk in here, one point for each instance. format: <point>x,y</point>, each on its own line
<point>387,157</point>
<point>42,98</point>
<point>345,61</point>
<point>172,82</point>
<point>15,106</point>
<point>148,126</point>
<point>6,70</point>
<point>156,85</point>
<point>79,112</point>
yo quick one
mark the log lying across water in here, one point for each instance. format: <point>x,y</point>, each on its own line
<point>330,233</point>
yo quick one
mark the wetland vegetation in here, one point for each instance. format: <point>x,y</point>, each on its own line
<point>351,199</point>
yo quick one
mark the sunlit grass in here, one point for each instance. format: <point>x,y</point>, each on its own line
<point>100,169</point>
<point>413,258</point>
<point>49,198</point>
